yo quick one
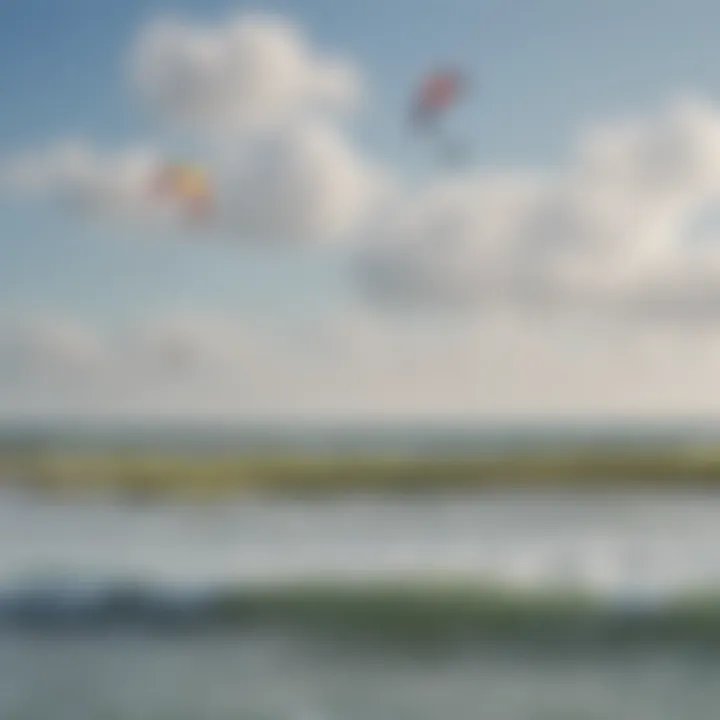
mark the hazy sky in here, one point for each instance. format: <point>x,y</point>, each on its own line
<point>570,267</point>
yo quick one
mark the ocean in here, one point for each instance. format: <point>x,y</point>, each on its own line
<point>281,609</point>
<point>244,677</point>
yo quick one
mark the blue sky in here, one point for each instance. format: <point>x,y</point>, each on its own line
<point>545,69</point>
<point>544,72</point>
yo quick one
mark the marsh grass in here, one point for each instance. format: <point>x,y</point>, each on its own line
<point>144,475</point>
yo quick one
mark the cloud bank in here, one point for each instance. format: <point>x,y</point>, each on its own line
<point>349,367</point>
<point>613,232</point>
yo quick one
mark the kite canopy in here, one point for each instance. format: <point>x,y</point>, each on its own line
<point>187,185</point>
<point>436,94</point>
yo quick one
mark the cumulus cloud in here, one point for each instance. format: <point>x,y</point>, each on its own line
<point>454,242</point>
<point>249,74</point>
<point>306,185</point>
<point>609,233</point>
<point>303,185</point>
<point>88,181</point>
<point>292,174</point>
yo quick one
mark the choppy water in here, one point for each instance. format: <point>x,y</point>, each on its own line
<point>617,545</point>
<point>243,678</point>
<point>612,543</point>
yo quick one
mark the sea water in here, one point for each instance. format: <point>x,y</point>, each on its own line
<point>616,546</point>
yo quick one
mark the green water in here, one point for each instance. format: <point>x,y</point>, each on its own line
<point>245,677</point>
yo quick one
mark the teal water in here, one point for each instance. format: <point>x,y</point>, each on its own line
<point>241,677</point>
<point>628,548</point>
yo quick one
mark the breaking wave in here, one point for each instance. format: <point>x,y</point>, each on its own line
<point>374,613</point>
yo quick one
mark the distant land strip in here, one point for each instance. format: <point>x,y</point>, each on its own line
<point>144,475</point>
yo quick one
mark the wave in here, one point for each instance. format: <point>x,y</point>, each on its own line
<point>417,614</point>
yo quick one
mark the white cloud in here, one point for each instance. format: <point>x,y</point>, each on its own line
<point>92,183</point>
<point>249,74</point>
<point>293,177</point>
<point>610,234</point>
<point>185,344</point>
<point>454,242</point>
<point>40,354</point>
<point>305,185</point>
<point>352,366</point>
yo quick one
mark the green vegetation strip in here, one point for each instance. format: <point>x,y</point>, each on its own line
<point>143,475</point>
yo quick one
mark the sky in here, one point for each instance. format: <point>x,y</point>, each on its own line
<point>567,267</point>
